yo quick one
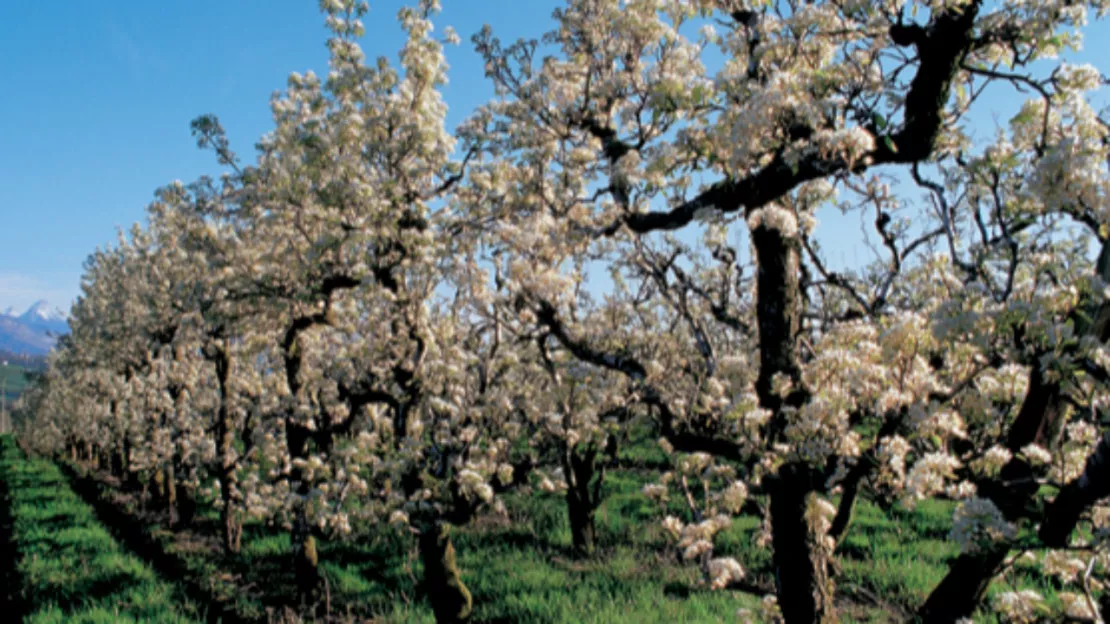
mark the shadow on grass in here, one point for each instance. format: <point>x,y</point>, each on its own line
<point>11,599</point>
<point>135,536</point>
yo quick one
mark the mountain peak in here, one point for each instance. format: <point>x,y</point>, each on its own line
<point>42,311</point>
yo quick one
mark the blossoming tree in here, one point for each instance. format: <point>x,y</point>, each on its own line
<point>632,130</point>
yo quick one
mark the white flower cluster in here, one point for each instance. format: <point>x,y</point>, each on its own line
<point>928,476</point>
<point>724,571</point>
<point>978,523</point>
<point>774,217</point>
<point>1020,607</point>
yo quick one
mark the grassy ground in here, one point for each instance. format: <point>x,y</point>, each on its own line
<point>518,569</point>
<point>69,568</point>
<point>521,570</point>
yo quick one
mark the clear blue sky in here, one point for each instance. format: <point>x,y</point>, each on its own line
<point>100,95</point>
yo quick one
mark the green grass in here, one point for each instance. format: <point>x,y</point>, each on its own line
<point>69,566</point>
<point>518,570</point>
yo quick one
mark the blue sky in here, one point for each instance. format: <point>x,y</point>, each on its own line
<point>100,95</point>
<point>96,114</point>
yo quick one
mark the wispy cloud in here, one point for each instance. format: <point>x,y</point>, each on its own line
<point>126,49</point>
<point>20,290</point>
<point>130,51</point>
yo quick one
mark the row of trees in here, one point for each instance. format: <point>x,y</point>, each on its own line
<point>381,321</point>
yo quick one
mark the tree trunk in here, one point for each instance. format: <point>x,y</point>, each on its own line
<point>117,464</point>
<point>225,437</point>
<point>186,506</point>
<point>583,530</point>
<point>802,560</point>
<point>451,601</point>
<point>158,488</point>
<point>171,494</point>
<point>1077,496</point>
<point>962,589</point>
<point>1039,420</point>
<point>306,560</point>
<point>233,530</point>
<point>584,478</point>
<point>131,479</point>
<point>305,557</point>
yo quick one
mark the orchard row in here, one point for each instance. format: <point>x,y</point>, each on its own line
<point>381,324</point>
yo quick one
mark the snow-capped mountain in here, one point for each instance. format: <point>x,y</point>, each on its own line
<point>34,331</point>
<point>41,314</point>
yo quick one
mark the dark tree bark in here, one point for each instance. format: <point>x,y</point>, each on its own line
<point>305,557</point>
<point>225,439</point>
<point>585,475</point>
<point>802,562</point>
<point>450,599</point>
<point>1039,421</point>
<point>1063,514</point>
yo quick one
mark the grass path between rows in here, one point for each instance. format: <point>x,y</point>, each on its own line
<point>63,565</point>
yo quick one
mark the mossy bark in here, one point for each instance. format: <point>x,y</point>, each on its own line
<point>450,599</point>
<point>802,563</point>
<point>585,476</point>
<point>225,438</point>
<point>305,557</point>
<point>158,487</point>
<point>802,560</point>
<point>306,562</point>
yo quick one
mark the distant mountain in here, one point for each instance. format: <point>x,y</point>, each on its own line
<point>34,331</point>
<point>43,317</point>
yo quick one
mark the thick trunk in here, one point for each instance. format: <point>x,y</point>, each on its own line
<point>802,557</point>
<point>1039,420</point>
<point>778,312</point>
<point>583,497</point>
<point>450,599</point>
<point>305,557</point>
<point>117,464</point>
<point>225,437</point>
<point>583,530</point>
<point>186,506</point>
<point>961,590</point>
<point>1077,496</point>
<point>232,529</point>
<point>306,560</point>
